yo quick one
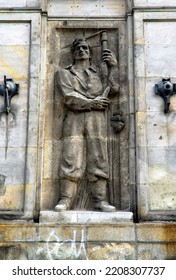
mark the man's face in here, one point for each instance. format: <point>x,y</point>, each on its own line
<point>82,51</point>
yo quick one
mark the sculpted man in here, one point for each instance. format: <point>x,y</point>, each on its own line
<point>85,126</point>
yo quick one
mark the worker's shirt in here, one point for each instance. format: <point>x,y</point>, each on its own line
<point>78,87</point>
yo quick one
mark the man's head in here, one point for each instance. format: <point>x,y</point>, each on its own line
<point>81,50</point>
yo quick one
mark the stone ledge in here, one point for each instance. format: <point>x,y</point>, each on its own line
<point>85,217</point>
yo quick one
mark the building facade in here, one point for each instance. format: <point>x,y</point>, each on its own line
<point>35,41</point>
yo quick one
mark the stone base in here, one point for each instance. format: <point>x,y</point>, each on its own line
<point>119,241</point>
<point>85,217</point>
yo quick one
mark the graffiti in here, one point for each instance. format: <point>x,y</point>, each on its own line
<point>57,249</point>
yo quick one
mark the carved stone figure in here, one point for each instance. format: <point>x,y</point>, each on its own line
<point>85,125</point>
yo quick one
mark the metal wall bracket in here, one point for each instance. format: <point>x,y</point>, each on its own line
<point>8,90</point>
<point>165,89</point>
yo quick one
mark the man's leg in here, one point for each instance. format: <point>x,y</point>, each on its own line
<point>97,163</point>
<point>67,193</point>
<point>99,195</point>
<point>71,167</point>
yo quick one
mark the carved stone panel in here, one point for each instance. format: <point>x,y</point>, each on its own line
<point>60,37</point>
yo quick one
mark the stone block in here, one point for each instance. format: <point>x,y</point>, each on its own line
<point>34,3</point>
<point>2,184</point>
<point>50,194</point>
<point>157,50</point>
<point>16,130</point>
<point>111,233</point>
<point>152,232</point>
<point>10,251</point>
<point>140,99</point>
<point>32,133</point>
<point>157,128</point>
<point>159,30</point>
<point>62,233</point>
<point>163,160</point>
<point>155,64</point>
<point>31,166</point>
<point>85,217</point>
<point>154,102</point>
<point>142,154</point>
<point>171,121</point>
<point>59,251</point>
<point>86,8</point>
<point>35,61</point>
<point>154,3</point>
<point>16,68</point>
<point>161,196</point>
<point>29,200</point>
<point>12,162</point>
<point>111,251</point>
<point>139,52</point>
<point>7,201</point>
<point>17,232</point>
<point>13,129</point>
<point>21,31</point>
<point>156,251</point>
<point>33,95</point>
<point>48,120</point>
<point>52,159</point>
<point>20,3</point>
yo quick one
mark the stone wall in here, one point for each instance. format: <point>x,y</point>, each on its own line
<point>142,156</point>
<point>28,241</point>
<point>155,142</point>
<point>20,60</point>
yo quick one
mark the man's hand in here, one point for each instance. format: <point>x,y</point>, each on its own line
<point>109,57</point>
<point>99,103</point>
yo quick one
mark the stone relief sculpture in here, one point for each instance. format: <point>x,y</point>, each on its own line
<point>85,89</point>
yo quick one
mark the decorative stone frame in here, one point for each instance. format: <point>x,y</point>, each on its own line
<point>50,172</point>
<point>32,148</point>
<point>146,106</point>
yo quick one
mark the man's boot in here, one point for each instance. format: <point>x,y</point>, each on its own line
<point>99,196</point>
<point>67,192</point>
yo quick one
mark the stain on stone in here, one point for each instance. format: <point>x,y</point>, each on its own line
<point>161,137</point>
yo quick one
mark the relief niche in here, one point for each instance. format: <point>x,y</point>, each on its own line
<point>87,119</point>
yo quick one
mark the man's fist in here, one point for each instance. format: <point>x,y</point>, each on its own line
<point>109,57</point>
